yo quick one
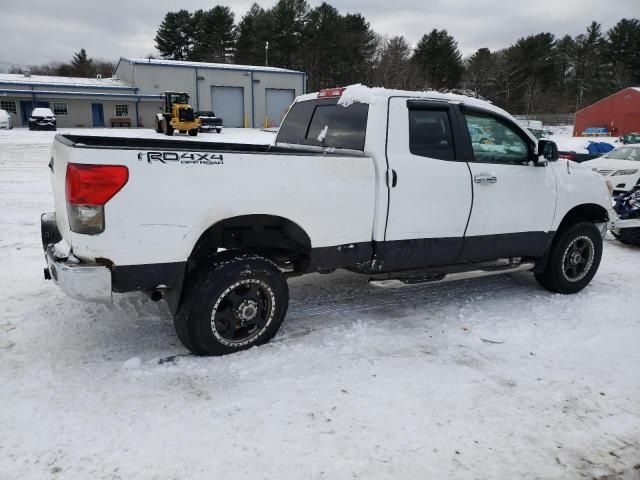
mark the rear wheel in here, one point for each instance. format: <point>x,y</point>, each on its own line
<point>193,132</point>
<point>219,130</point>
<point>232,305</point>
<point>157,125</point>
<point>574,259</point>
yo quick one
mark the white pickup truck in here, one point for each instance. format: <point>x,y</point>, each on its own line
<point>385,183</point>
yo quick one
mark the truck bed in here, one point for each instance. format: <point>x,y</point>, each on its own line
<point>127,143</point>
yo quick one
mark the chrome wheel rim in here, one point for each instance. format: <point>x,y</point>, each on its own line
<point>242,312</point>
<point>578,258</point>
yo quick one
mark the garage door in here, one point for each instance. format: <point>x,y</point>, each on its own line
<point>278,100</point>
<point>228,103</point>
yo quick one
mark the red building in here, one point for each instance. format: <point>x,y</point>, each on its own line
<point>618,113</point>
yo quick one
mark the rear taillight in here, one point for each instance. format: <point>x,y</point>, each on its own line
<point>567,155</point>
<point>331,92</point>
<point>88,188</point>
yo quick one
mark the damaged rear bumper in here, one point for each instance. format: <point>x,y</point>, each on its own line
<point>82,281</point>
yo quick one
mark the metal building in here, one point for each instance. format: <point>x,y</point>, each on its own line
<point>76,102</point>
<point>244,96</point>
<point>618,113</point>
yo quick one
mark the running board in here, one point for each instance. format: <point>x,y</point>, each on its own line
<point>449,277</point>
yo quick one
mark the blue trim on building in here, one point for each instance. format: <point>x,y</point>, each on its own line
<point>63,85</point>
<point>53,93</point>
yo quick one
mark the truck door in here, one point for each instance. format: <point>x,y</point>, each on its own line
<point>429,184</point>
<point>513,200</point>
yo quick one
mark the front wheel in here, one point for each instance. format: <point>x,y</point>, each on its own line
<point>573,260</point>
<point>232,305</point>
<point>166,128</point>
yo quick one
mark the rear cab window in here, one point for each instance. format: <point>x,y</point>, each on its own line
<point>324,123</point>
<point>430,134</point>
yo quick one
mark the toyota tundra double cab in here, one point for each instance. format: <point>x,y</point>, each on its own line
<point>389,184</point>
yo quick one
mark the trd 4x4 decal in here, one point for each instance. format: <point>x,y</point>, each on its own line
<point>185,158</point>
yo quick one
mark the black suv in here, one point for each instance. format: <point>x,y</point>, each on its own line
<point>42,119</point>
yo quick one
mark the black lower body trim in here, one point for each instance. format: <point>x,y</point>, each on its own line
<point>490,247</point>
<point>399,255</point>
<point>129,278</point>
<point>350,255</point>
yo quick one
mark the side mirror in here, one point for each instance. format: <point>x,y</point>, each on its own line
<point>548,150</point>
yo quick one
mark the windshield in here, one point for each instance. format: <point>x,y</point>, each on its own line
<point>179,98</point>
<point>624,153</point>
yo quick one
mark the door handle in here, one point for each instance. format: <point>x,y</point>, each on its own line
<point>485,178</point>
<point>393,181</point>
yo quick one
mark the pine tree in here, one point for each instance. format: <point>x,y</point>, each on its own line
<point>213,35</point>
<point>394,68</point>
<point>289,19</point>
<point>593,74</point>
<point>358,50</point>
<point>174,37</point>
<point>439,60</point>
<point>323,40</point>
<point>479,73</point>
<point>82,65</point>
<point>623,48</point>
<point>253,31</point>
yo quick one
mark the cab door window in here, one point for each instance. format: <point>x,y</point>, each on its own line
<point>430,134</point>
<point>494,141</point>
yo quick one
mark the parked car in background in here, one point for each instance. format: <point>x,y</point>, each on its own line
<point>42,119</point>
<point>5,120</point>
<point>479,135</point>
<point>630,138</point>
<point>594,150</point>
<point>209,121</point>
<point>621,167</point>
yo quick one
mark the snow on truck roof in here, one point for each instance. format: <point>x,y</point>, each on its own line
<point>221,66</point>
<point>362,94</point>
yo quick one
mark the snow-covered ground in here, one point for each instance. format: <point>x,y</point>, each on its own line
<point>492,378</point>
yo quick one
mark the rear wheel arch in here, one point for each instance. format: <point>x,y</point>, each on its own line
<point>273,236</point>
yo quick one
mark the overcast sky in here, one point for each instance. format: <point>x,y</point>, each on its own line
<point>40,31</point>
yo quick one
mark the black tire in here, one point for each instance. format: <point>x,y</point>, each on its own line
<point>629,236</point>
<point>233,304</point>
<point>193,132</point>
<point>157,125</point>
<point>166,128</point>
<point>574,259</point>
<point>218,130</point>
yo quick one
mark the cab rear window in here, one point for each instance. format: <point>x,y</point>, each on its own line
<point>324,123</point>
